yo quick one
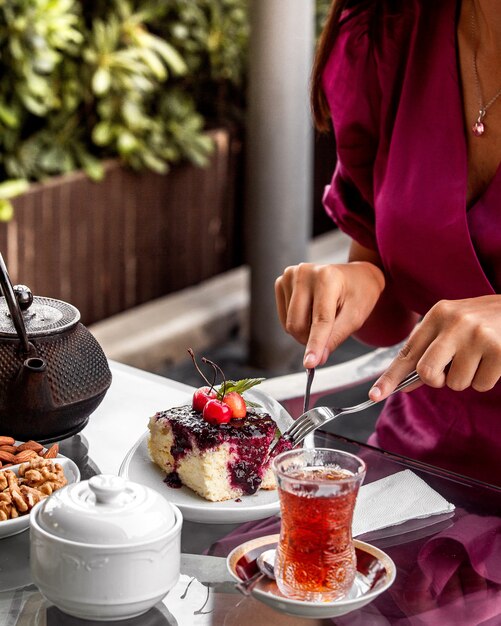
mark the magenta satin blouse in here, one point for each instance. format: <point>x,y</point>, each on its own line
<point>400,187</point>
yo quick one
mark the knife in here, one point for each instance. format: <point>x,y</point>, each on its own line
<point>310,373</point>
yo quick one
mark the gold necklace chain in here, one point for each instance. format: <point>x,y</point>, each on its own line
<point>478,127</point>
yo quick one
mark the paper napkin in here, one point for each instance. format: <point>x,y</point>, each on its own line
<point>396,499</point>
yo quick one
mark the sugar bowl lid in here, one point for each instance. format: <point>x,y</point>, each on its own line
<point>106,510</point>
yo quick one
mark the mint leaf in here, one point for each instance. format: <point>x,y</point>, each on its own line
<point>240,386</point>
<point>243,385</point>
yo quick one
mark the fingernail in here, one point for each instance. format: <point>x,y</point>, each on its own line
<point>309,359</point>
<point>375,392</point>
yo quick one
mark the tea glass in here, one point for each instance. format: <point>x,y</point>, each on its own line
<point>315,558</point>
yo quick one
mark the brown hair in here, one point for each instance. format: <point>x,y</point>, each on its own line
<point>319,105</point>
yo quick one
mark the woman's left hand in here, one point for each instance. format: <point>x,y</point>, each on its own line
<point>457,344</point>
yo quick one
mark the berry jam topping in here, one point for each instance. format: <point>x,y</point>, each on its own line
<point>187,427</point>
<point>283,443</point>
<point>244,475</point>
<point>173,480</point>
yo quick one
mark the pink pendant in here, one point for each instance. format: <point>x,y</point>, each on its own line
<point>478,129</point>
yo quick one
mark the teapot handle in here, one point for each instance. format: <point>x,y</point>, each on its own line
<point>13,305</point>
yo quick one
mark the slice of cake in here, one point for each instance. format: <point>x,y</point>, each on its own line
<point>219,461</point>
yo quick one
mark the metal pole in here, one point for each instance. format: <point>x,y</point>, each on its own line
<point>279,165</point>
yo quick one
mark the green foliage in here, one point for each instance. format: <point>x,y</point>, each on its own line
<point>322,7</point>
<point>84,80</point>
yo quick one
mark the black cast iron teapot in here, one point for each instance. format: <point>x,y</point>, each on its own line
<point>53,372</point>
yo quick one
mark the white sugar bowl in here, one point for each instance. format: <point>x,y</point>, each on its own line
<point>105,548</point>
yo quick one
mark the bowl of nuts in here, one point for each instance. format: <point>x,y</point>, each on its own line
<point>29,473</point>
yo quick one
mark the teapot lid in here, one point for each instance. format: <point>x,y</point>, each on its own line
<point>45,316</point>
<point>106,510</point>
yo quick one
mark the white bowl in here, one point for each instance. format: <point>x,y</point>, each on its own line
<point>20,524</point>
<point>105,549</point>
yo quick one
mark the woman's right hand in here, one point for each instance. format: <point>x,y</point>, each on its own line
<point>322,305</point>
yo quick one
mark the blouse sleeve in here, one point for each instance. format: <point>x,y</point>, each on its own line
<point>352,90</point>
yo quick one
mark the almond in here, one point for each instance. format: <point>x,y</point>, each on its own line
<point>11,449</point>
<point>25,455</point>
<point>30,445</point>
<point>7,441</point>
<point>7,457</point>
<point>52,452</point>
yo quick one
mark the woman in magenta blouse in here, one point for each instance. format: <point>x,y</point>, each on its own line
<point>413,91</point>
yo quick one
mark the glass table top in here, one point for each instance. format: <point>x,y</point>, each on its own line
<point>448,569</point>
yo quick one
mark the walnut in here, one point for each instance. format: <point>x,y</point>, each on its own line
<point>15,492</point>
<point>43,474</point>
<point>38,479</point>
<point>31,496</point>
<point>8,508</point>
<point>5,505</point>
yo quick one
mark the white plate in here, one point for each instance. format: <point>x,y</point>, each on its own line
<point>19,524</point>
<point>375,574</point>
<point>138,466</point>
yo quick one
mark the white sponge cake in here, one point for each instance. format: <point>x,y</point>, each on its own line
<point>219,462</point>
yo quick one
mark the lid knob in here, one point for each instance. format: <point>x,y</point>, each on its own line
<point>106,487</point>
<point>24,296</point>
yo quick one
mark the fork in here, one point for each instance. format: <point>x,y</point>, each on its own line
<point>319,416</point>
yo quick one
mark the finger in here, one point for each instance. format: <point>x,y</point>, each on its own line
<point>487,374</point>
<point>389,380</point>
<point>404,363</point>
<point>462,370</point>
<point>344,325</point>
<point>433,366</point>
<point>406,360</point>
<point>323,318</point>
<point>289,293</point>
<point>287,286</point>
<point>415,385</point>
<point>323,358</point>
<point>281,301</point>
<point>299,313</point>
<point>316,352</point>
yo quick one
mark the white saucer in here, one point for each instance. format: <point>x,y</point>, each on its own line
<point>375,574</point>
<point>137,466</point>
<point>19,524</point>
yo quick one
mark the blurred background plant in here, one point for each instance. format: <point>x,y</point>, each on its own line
<point>86,80</point>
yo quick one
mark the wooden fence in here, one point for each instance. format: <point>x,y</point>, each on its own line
<point>108,246</point>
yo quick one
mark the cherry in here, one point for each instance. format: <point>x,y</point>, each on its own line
<point>236,403</point>
<point>218,407</point>
<point>216,412</point>
<point>201,396</point>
